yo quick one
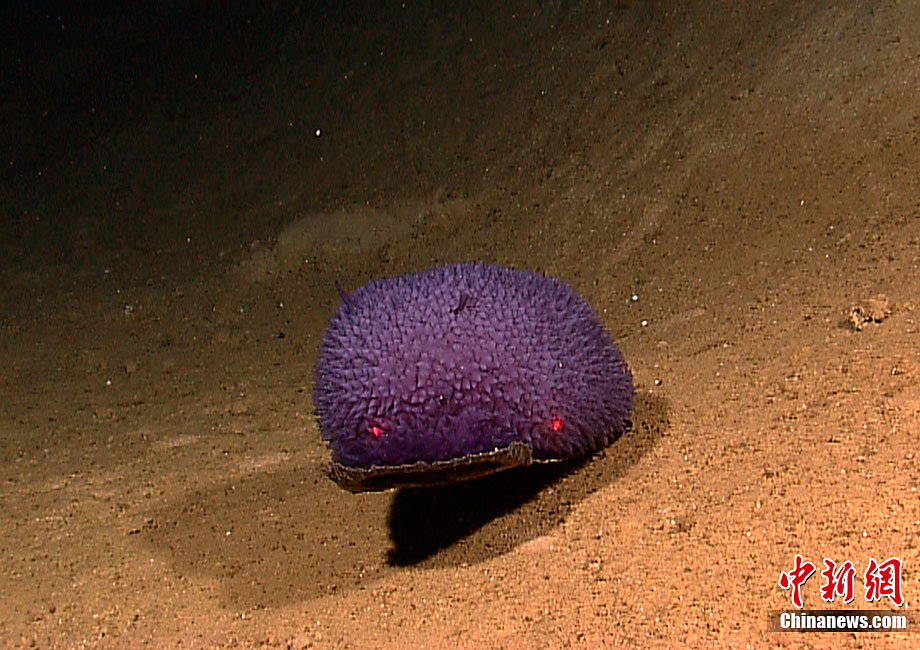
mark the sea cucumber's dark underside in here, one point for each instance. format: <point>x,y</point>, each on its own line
<point>462,370</point>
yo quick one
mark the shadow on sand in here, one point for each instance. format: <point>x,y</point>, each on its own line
<point>472,521</point>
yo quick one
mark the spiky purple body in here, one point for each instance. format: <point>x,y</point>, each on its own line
<point>466,358</point>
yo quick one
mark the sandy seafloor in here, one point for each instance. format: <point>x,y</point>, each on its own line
<point>182,189</point>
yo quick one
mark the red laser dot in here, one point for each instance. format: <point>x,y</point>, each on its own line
<point>375,430</point>
<point>557,424</point>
